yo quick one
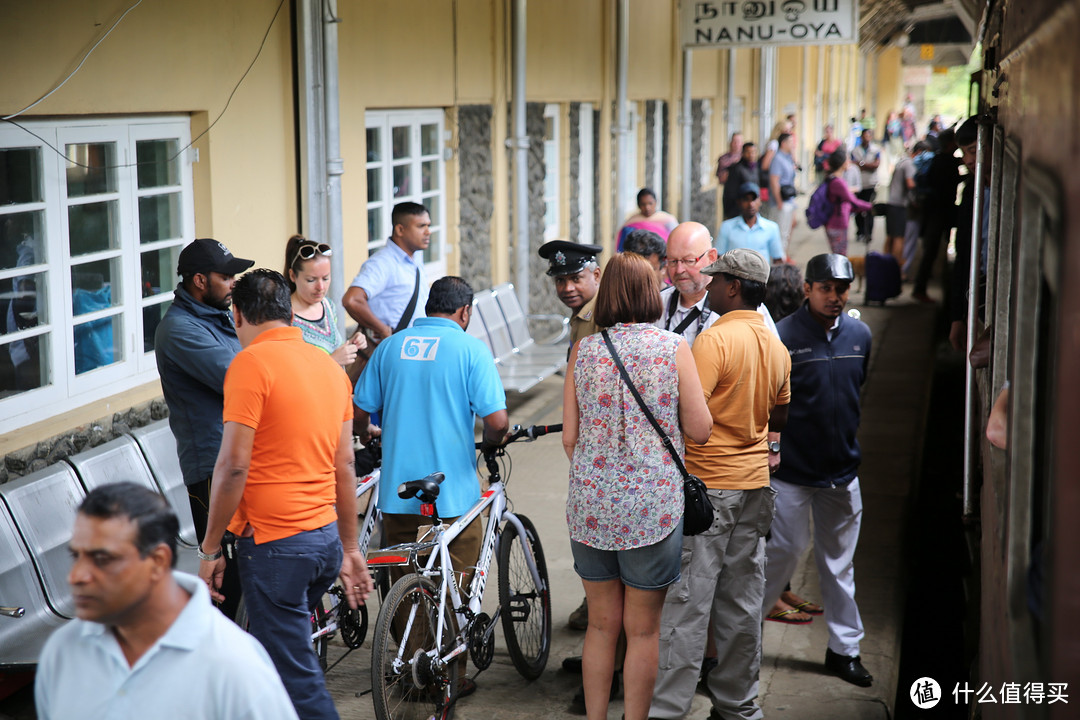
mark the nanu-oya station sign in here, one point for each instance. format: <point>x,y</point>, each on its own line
<point>755,23</point>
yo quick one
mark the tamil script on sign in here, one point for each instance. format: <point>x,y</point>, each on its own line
<point>755,23</point>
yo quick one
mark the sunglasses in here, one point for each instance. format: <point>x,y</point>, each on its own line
<point>309,250</point>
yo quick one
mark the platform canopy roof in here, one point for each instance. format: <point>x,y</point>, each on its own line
<point>951,26</point>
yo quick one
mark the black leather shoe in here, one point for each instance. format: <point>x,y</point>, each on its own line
<point>848,668</point>
<point>577,703</point>
<point>572,664</point>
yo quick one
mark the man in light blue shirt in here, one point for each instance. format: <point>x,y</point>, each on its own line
<point>430,382</point>
<point>390,291</point>
<point>781,206</point>
<point>147,641</point>
<point>749,229</point>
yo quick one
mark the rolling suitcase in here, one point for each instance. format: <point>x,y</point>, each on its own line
<point>882,277</point>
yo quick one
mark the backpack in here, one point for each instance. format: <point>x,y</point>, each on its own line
<point>820,208</point>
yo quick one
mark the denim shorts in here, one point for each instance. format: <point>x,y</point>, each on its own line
<point>650,567</point>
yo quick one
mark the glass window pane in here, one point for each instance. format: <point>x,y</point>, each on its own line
<point>430,175</point>
<point>374,224</point>
<point>151,316</point>
<point>434,209</point>
<point>98,343</point>
<point>21,239</point>
<point>159,271</point>
<point>159,217</point>
<point>434,250</point>
<point>91,169</point>
<point>20,176</point>
<point>92,286</point>
<point>158,165</point>
<point>92,227</point>
<point>374,185</point>
<point>374,144</point>
<point>429,139</point>
<point>23,302</point>
<point>402,181</point>
<point>24,365</point>
<point>402,141</point>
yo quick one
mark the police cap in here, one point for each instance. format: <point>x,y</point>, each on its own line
<point>567,258</point>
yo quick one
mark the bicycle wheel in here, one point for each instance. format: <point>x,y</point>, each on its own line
<point>405,683</point>
<point>526,609</point>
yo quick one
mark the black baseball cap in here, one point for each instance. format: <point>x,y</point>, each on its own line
<point>207,255</point>
<point>829,266</point>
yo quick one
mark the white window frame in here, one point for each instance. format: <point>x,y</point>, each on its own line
<point>66,390</point>
<point>552,209</point>
<point>656,182</point>
<point>435,258</point>
<point>586,195</point>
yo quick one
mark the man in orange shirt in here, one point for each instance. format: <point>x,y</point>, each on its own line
<point>744,370</point>
<point>286,461</point>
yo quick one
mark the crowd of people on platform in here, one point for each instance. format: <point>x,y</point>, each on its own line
<point>719,337</point>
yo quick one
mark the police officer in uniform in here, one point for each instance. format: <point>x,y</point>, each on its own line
<point>577,277</point>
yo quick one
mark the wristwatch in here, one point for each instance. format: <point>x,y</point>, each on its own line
<point>209,557</point>
<point>774,447</point>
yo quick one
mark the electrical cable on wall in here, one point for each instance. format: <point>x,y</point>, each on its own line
<point>79,67</point>
<point>179,152</point>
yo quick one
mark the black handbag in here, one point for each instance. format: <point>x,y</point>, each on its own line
<point>698,511</point>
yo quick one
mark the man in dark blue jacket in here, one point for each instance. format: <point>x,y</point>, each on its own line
<point>819,457</point>
<point>194,344</point>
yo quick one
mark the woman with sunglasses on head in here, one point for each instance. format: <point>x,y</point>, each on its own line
<point>307,267</point>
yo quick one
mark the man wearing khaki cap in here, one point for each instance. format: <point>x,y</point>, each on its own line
<point>744,372</point>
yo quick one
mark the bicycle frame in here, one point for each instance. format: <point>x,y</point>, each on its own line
<point>368,484</point>
<point>439,564</point>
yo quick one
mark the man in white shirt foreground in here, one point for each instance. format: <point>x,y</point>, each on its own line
<point>147,641</point>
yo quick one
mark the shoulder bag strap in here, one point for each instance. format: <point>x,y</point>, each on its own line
<point>648,415</point>
<point>406,317</point>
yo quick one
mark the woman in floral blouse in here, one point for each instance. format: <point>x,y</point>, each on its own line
<point>625,503</point>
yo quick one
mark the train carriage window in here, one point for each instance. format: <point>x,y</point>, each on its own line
<point>1004,179</point>
<point>1032,402</point>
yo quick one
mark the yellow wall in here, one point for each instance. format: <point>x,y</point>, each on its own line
<point>245,189</point>
<point>652,39</point>
<point>890,88</point>
<point>563,48</point>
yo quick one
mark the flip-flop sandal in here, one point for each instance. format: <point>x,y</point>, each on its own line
<point>809,608</point>
<point>783,617</point>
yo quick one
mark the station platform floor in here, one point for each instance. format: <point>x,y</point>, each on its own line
<point>794,683</point>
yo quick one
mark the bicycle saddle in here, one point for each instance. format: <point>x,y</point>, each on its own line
<point>426,488</point>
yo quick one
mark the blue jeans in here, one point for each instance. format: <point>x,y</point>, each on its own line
<point>283,580</point>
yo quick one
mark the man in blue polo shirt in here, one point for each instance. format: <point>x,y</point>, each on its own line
<point>749,229</point>
<point>390,290</point>
<point>429,382</point>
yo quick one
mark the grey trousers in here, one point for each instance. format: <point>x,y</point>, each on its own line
<point>723,579</point>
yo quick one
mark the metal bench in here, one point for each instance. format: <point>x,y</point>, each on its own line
<point>26,619</point>
<point>159,448</point>
<point>42,507</point>
<point>121,460</point>
<point>521,366</point>
<point>553,348</point>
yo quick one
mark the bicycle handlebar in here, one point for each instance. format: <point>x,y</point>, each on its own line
<point>528,434</point>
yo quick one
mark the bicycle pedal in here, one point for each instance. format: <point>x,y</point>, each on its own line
<point>519,607</point>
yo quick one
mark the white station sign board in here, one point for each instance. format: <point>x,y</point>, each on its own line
<point>758,23</point>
